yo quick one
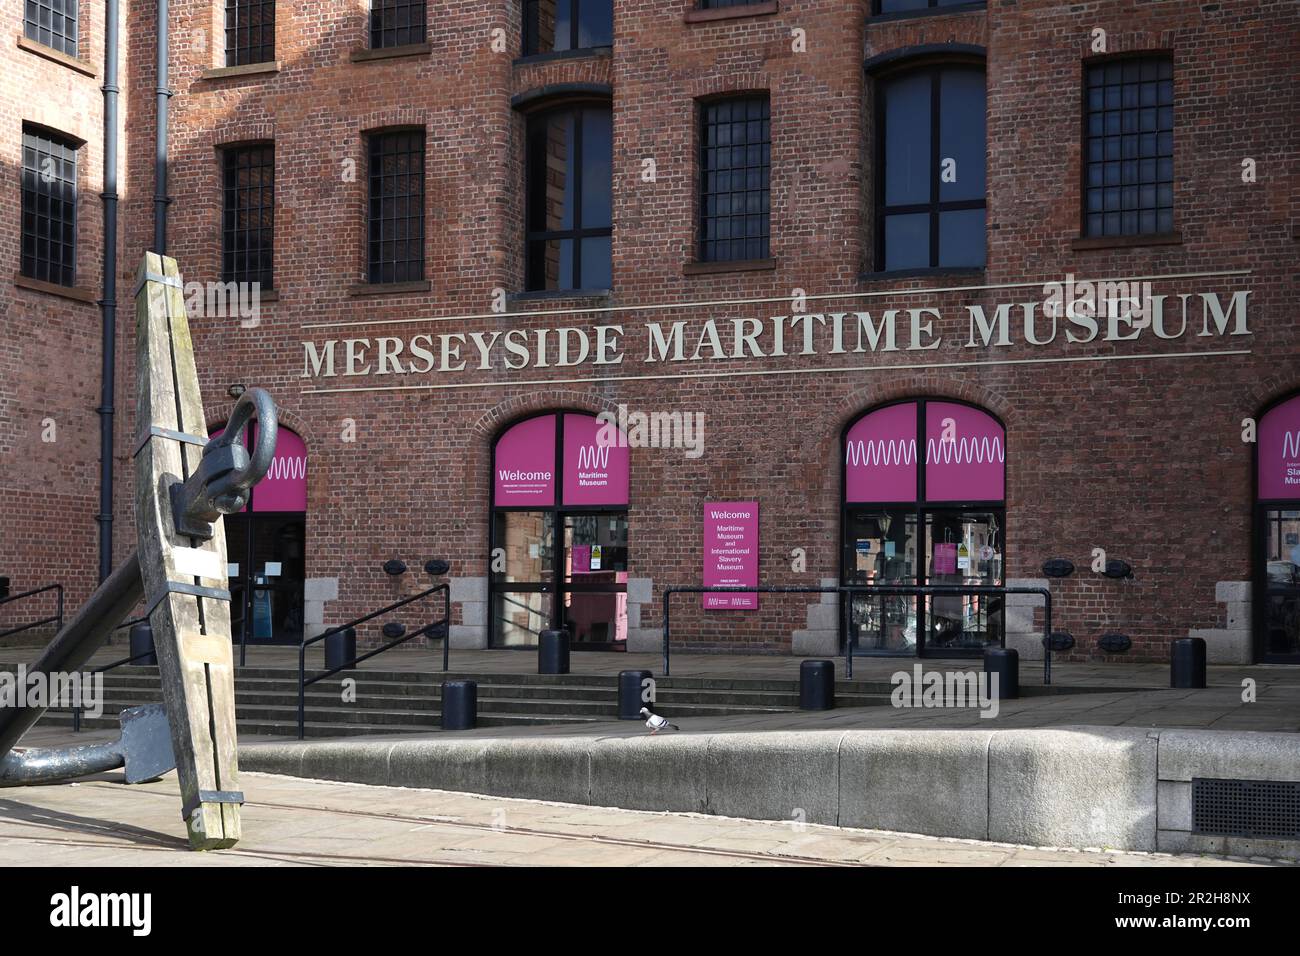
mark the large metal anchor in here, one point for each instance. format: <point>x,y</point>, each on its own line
<point>219,486</point>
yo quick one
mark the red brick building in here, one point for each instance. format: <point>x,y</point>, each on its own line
<point>953,288</point>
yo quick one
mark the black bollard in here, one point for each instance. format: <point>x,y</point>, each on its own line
<point>1187,663</point>
<point>1005,662</point>
<point>341,649</point>
<point>141,637</point>
<point>817,685</point>
<point>459,704</point>
<point>630,686</point>
<point>553,652</point>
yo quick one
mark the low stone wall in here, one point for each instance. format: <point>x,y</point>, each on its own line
<point>1118,788</point>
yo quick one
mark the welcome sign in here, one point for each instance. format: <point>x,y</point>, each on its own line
<point>730,554</point>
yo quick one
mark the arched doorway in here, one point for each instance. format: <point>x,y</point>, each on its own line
<point>559,533</point>
<point>266,549</point>
<point>936,518</point>
<point>1277,534</point>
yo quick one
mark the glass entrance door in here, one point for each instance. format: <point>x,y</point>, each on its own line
<point>965,548</point>
<point>880,548</point>
<point>593,598</point>
<point>1279,615</point>
<point>268,570</point>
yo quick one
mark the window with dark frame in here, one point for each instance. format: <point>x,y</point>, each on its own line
<point>53,23</point>
<point>735,179</point>
<point>250,32</point>
<point>930,185</point>
<point>569,199</point>
<point>395,239</point>
<point>49,208</point>
<point>916,6</point>
<point>1128,186</point>
<point>554,26</point>
<point>248,214</point>
<point>397,23</point>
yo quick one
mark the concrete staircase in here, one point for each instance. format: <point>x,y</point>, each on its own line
<point>390,702</point>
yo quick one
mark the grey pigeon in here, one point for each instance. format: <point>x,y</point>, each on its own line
<point>655,722</point>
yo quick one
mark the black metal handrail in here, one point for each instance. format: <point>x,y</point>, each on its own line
<point>56,619</point>
<point>76,710</point>
<point>444,625</point>
<point>917,590</point>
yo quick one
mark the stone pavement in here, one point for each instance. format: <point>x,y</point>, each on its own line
<point>293,822</point>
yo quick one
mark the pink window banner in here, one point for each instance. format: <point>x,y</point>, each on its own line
<point>965,454</point>
<point>730,554</point>
<point>1278,450</point>
<point>880,456</point>
<point>523,472</point>
<point>597,463</point>
<point>285,486</point>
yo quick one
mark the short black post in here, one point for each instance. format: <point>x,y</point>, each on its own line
<point>341,649</point>
<point>817,685</point>
<point>630,686</point>
<point>553,652</point>
<point>459,704</point>
<point>141,638</point>
<point>1187,662</point>
<point>1005,663</point>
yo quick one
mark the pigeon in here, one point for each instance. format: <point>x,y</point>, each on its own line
<point>655,722</point>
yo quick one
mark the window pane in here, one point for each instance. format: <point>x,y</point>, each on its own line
<point>519,617</point>
<point>961,238</point>
<point>53,23</point>
<point>397,23</point>
<point>596,263</point>
<point>907,139</point>
<point>550,179</point>
<point>396,219</point>
<point>880,548</point>
<point>902,6</point>
<point>595,23</point>
<point>248,215</point>
<point>907,241</point>
<point>735,177</point>
<point>961,134</point>
<point>597,158</point>
<point>527,539</point>
<point>250,31</point>
<point>49,208</point>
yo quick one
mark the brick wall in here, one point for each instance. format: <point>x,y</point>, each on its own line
<point>1142,458</point>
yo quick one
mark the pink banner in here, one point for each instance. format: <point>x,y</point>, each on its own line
<point>730,553</point>
<point>524,467</point>
<point>1279,451</point>
<point>285,486</point>
<point>965,454</point>
<point>880,456</point>
<point>595,472</point>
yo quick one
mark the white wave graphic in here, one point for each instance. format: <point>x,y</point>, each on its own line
<point>593,457</point>
<point>288,469</point>
<point>967,451</point>
<point>1291,444</point>
<point>876,452</point>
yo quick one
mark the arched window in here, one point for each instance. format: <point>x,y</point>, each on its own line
<point>930,168</point>
<point>559,532</point>
<point>924,503</point>
<point>266,548</point>
<point>1277,574</point>
<point>569,198</point>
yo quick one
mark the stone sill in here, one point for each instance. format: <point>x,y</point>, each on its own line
<point>543,295</point>
<point>390,288</point>
<point>248,69</point>
<point>56,56</point>
<point>578,54</point>
<point>731,13</point>
<point>940,272</point>
<point>1083,243</point>
<point>50,288</point>
<point>370,54</point>
<point>738,265</point>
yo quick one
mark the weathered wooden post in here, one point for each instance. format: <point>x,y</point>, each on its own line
<point>183,484</point>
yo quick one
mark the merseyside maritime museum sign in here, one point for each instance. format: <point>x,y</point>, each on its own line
<point>1071,314</point>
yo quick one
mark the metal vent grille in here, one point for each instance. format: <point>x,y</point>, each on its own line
<point>1261,809</point>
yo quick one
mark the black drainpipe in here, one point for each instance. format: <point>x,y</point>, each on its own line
<point>162,93</point>
<point>108,302</point>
